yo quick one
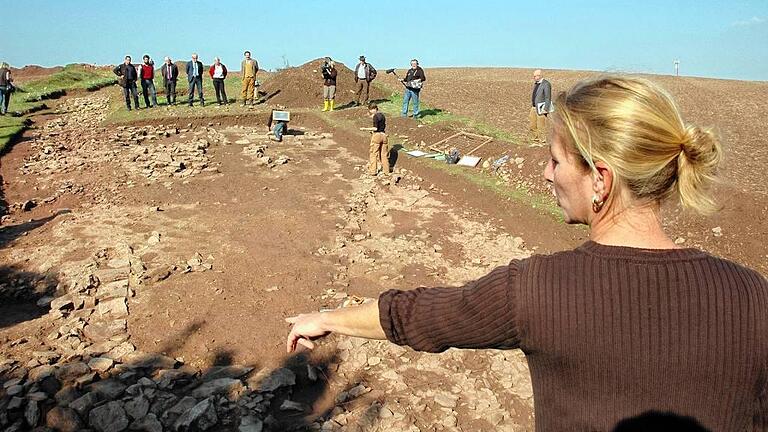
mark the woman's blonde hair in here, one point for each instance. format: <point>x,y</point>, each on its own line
<point>4,65</point>
<point>634,126</point>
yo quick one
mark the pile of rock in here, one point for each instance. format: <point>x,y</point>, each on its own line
<point>259,153</point>
<point>154,159</point>
<point>86,374</point>
<point>71,143</point>
<point>143,392</point>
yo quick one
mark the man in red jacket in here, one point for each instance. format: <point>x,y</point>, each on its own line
<point>219,73</point>
<point>148,81</point>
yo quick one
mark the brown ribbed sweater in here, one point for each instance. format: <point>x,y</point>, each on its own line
<point>610,332</point>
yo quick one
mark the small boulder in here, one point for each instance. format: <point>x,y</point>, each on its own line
<point>200,418</point>
<point>63,420</point>
<point>109,417</point>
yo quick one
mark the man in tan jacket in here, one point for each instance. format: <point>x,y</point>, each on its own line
<point>248,69</point>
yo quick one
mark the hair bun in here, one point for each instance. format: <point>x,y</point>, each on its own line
<point>699,159</point>
<point>699,143</point>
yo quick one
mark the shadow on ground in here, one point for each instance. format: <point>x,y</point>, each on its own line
<point>9,233</point>
<point>100,389</point>
<point>430,112</point>
<point>394,154</point>
<point>19,292</point>
<point>3,200</point>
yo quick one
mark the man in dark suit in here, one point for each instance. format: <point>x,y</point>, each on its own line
<point>195,79</point>
<point>541,105</point>
<point>170,73</point>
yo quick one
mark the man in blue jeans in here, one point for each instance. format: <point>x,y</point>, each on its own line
<point>413,81</point>
<point>147,75</point>
<point>195,79</point>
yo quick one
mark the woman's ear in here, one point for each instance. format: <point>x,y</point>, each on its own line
<point>602,180</point>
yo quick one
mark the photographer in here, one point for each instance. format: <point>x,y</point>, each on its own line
<point>329,84</point>
<point>414,80</point>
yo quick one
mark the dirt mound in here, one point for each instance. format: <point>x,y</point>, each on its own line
<point>30,72</point>
<point>302,86</point>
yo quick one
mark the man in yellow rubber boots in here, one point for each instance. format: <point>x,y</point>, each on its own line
<point>329,84</point>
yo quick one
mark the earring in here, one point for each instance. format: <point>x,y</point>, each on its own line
<point>597,204</point>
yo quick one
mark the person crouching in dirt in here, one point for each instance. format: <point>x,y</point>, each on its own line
<point>379,152</point>
<point>278,130</point>
<point>329,84</point>
<point>413,81</point>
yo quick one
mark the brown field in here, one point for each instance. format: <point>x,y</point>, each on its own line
<point>737,110</point>
<point>178,214</point>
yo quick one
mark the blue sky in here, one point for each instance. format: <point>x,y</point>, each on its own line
<point>722,39</point>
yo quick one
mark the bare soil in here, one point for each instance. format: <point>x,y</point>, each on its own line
<point>736,109</point>
<point>315,232</point>
<point>302,86</point>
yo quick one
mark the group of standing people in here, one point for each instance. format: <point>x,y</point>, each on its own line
<point>364,74</point>
<point>129,75</point>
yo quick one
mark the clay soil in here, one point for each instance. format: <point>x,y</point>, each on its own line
<point>308,234</point>
<point>301,87</point>
<point>33,72</point>
<point>735,109</point>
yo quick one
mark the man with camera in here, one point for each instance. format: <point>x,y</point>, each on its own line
<point>329,84</point>
<point>413,81</point>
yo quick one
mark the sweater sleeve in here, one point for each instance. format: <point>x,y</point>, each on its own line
<point>481,314</point>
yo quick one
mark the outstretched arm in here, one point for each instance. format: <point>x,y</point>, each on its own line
<point>358,321</point>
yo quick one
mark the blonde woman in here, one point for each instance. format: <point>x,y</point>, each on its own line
<point>627,323</point>
<point>6,87</point>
